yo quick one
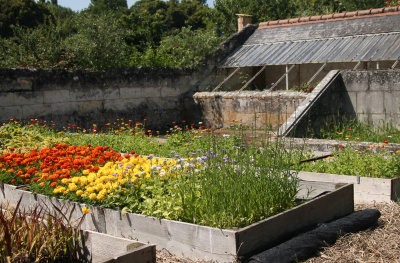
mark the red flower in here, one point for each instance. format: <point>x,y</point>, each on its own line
<point>133,152</point>
<point>341,146</point>
<point>385,142</point>
<point>13,181</point>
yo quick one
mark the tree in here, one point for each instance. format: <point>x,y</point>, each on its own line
<point>225,19</point>
<point>101,6</point>
<point>351,5</point>
<point>26,13</point>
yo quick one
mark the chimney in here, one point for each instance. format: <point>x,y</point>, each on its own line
<point>243,20</point>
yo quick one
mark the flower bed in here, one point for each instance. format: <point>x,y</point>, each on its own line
<point>195,241</point>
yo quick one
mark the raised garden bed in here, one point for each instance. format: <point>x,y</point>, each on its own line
<point>223,245</point>
<point>366,189</point>
<point>323,145</point>
<point>103,248</point>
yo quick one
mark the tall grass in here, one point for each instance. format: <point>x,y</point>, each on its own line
<point>354,130</point>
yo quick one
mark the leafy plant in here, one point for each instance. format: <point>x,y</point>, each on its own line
<point>304,87</point>
<point>39,235</point>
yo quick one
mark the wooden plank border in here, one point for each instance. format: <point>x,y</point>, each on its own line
<point>368,190</point>
<point>195,241</point>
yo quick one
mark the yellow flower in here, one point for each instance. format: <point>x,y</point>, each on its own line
<point>85,210</point>
<point>100,197</point>
<point>72,187</point>
<point>92,196</point>
<point>85,172</point>
<point>79,192</point>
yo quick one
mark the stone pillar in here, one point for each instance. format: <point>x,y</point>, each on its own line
<point>243,20</point>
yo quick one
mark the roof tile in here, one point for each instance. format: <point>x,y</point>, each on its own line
<point>335,16</point>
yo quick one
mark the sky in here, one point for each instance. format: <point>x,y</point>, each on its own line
<point>78,5</point>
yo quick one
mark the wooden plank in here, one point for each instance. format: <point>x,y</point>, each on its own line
<point>225,80</point>
<point>275,229</point>
<point>195,241</point>
<point>368,190</point>
<point>253,78</point>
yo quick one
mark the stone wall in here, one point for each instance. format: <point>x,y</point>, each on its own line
<point>83,98</point>
<point>161,95</point>
<point>374,95</point>
<point>258,109</point>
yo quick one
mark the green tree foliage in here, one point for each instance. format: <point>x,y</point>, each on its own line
<point>26,13</point>
<point>315,7</point>
<point>351,5</point>
<point>150,20</point>
<point>225,19</point>
<point>99,43</point>
<point>101,6</point>
<point>185,48</point>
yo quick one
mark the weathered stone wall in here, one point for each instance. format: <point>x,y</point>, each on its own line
<point>161,95</point>
<point>250,108</point>
<point>81,97</point>
<point>370,95</point>
<point>374,95</point>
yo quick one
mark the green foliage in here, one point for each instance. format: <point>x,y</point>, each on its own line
<point>186,48</point>
<point>39,235</point>
<point>99,43</point>
<point>354,130</point>
<point>304,87</point>
<point>25,13</point>
<point>101,6</point>
<point>225,19</point>
<point>350,161</point>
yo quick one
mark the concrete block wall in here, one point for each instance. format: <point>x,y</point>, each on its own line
<point>251,108</point>
<point>374,95</point>
<point>83,98</point>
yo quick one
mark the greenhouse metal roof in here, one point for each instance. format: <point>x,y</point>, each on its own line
<point>373,37</point>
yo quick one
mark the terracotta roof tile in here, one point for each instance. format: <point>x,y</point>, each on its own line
<point>330,17</point>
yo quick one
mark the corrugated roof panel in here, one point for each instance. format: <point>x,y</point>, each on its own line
<point>390,53</point>
<point>308,51</point>
<point>282,48</point>
<point>390,42</point>
<point>353,43</point>
<point>368,44</point>
<point>301,48</point>
<point>336,54</point>
<point>288,50</point>
<point>376,47</point>
<point>319,57</point>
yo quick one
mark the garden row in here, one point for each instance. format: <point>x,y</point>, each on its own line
<point>207,178</point>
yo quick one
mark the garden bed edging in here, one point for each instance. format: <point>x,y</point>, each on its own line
<point>196,241</point>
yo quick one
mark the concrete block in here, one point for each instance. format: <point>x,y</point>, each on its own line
<point>54,96</point>
<point>370,102</point>
<point>356,81</point>
<point>85,94</point>
<point>166,103</point>
<point>8,99</point>
<point>34,111</point>
<point>391,102</point>
<point>111,93</point>
<point>130,93</point>
<point>64,107</point>
<point>125,105</point>
<point>90,106</point>
<point>172,91</point>
<point>152,92</point>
